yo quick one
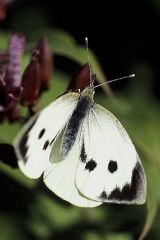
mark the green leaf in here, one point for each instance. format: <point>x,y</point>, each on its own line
<point>119,236</point>
<point>47,216</point>
<point>153,179</point>
<point>92,235</point>
<point>152,206</point>
<point>8,131</point>
<point>3,40</point>
<point>9,227</point>
<point>17,176</point>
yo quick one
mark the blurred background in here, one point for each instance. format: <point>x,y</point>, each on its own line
<point>123,39</point>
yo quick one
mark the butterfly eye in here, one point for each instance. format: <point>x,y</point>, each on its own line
<point>90,166</point>
<point>112,166</point>
<point>41,133</point>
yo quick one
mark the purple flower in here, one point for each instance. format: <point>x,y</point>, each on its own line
<point>35,79</point>
<point>15,51</point>
<point>10,79</point>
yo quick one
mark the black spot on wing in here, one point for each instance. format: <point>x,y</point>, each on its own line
<point>83,155</point>
<point>70,134</point>
<point>90,165</point>
<point>130,191</point>
<point>137,181</point>
<point>112,166</point>
<point>23,148</point>
<point>45,146</point>
<point>103,196</point>
<point>41,133</point>
<point>124,195</point>
<point>115,194</point>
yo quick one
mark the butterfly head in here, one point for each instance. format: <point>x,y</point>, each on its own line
<point>88,92</point>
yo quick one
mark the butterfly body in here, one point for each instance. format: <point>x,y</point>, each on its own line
<point>84,153</point>
<point>84,104</point>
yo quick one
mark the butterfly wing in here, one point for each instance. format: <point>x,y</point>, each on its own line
<point>59,176</point>
<point>109,168</point>
<point>34,142</point>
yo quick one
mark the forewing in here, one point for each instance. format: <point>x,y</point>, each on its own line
<point>34,142</point>
<point>109,168</point>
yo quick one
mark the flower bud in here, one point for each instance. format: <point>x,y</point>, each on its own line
<point>45,60</point>
<point>81,78</point>
<point>31,81</point>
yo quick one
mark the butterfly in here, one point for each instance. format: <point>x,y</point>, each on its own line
<point>84,153</point>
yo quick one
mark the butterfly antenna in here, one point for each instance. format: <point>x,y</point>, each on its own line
<point>116,79</point>
<point>89,62</point>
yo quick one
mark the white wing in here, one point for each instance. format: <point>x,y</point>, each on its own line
<point>34,142</point>
<point>59,177</point>
<point>109,168</point>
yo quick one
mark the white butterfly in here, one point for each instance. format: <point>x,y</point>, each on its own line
<point>84,152</point>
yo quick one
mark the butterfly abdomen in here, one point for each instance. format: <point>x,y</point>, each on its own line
<point>85,103</point>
